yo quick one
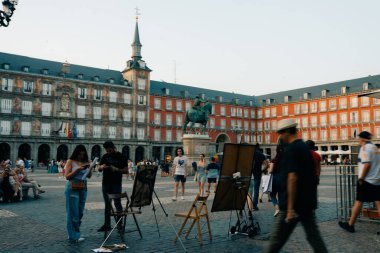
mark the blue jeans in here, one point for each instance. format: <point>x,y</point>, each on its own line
<point>256,190</point>
<point>110,189</point>
<point>75,202</point>
<point>275,188</point>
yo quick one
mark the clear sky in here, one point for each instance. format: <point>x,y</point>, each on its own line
<point>252,47</point>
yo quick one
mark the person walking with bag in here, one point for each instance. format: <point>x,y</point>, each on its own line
<point>76,175</point>
<point>201,174</point>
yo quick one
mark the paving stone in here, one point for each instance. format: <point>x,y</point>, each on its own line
<point>40,225</point>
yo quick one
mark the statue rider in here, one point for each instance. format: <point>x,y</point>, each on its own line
<point>197,106</point>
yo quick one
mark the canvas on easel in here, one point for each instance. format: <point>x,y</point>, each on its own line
<point>231,193</point>
<point>143,186</point>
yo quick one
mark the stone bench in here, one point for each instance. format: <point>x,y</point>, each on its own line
<point>25,191</point>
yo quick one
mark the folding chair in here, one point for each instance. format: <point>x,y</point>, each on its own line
<point>197,211</point>
<point>121,217</point>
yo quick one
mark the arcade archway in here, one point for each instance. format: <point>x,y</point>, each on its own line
<point>5,151</point>
<point>139,155</point>
<point>62,152</point>
<point>24,151</point>
<point>43,153</point>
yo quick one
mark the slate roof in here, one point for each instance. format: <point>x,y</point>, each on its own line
<point>176,90</point>
<point>37,65</point>
<point>156,87</point>
<point>353,86</point>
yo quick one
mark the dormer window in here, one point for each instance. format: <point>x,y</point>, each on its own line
<point>142,64</point>
<point>25,68</point>
<point>111,80</point>
<point>80,76</point>
<point>343,90</point>
<point>219,99</point>
<point>250,102</point>
<point>287,99</point>
<point>202,95</point>
<point>126,83</point>
<point>6,66</point>
<point>365,86</point>
<point>45,71</point>
<point>324,93</point>
<point>236,101</point>
<point>166,91</point>
<point>184,93</point>
<point>306,95</point>
<point>96,78</point>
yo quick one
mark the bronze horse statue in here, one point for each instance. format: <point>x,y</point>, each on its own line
<point>198,116</point>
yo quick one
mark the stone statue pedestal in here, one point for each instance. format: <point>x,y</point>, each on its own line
<point>194,145</point>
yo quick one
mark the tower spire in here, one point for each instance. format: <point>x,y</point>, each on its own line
<point>136,44</point>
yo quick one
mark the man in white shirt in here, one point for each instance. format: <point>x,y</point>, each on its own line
<point>179,172</point>
<point>368,187</point>
<point>20,162</point>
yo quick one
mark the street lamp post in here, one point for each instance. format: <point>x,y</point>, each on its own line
<point>7,12</point>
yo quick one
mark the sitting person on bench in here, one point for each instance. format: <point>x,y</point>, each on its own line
<point>6,186</point>
<point>25,182</point>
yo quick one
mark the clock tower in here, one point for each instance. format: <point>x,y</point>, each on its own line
<point>137,75</point>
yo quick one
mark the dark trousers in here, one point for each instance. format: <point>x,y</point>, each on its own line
<point>256,190</point>
<point>282,230</point>
<point>111,189</point>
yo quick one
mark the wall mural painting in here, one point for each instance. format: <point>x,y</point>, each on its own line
<point>16,126</point>
<point>17,105</point>
<point>37,106</point>
<point>36,126</point>
<point>65,101</point>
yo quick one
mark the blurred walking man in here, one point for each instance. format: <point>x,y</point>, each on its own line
<point>368,187</point>
<point>298,192</point>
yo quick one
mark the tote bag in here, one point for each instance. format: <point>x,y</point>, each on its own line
<point>268,184</point>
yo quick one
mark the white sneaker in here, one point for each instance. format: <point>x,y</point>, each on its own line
<point>80,239</point>
<point>174,198</point>
<point>182,197</point>
<point>276,213</point>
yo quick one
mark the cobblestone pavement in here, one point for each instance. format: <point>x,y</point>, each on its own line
<point>40,225</point>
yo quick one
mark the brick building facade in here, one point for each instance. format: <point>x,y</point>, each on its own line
<point>46,108</point>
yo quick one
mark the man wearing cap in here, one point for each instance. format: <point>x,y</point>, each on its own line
<point>114,165</point>
<point>298,192</point>
<point>368,186</point>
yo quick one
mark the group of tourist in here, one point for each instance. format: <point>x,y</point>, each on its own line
<point>27,164</point>
<point>296,174</point>
<point>77,171</point>
<point>204,172</point>
<point>13,180</point>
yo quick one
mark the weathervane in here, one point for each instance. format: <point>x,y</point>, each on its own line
<point>137,13</point>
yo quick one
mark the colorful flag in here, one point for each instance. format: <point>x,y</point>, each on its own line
<point>70,133</point>
<point>67,130</point>
<point>75,133</point>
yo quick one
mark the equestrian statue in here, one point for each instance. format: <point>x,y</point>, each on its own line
<point>198,114</point>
